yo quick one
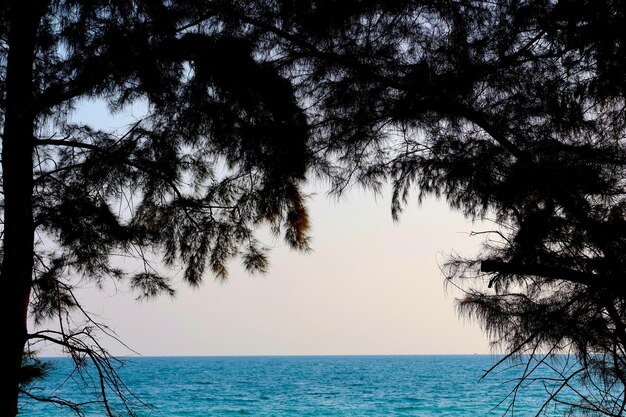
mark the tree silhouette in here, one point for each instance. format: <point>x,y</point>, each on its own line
<point>513,112</point>
<point>221,149</point>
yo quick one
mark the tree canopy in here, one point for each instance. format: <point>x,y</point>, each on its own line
<point>510,111</point>
<point>513,112</point>
<point>221,149</point>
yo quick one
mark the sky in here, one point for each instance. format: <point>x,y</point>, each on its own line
<point>369,286</point>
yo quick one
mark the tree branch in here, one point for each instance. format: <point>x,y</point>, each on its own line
<point>550,272</point>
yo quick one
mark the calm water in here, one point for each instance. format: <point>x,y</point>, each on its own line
<point>424,386</point>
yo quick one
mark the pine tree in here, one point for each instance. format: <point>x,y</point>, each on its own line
<point>221,149</point>
<point>513,112</point>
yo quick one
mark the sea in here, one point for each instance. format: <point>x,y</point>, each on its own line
<point>350,386</point>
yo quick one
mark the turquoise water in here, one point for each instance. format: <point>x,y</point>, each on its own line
<point>424,386</point>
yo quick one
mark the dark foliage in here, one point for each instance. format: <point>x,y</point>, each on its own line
<point>510,110</point>
<point>221,149</point>
<point>513,112</point>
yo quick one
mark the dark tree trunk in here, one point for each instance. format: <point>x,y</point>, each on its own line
<point>17,171</point>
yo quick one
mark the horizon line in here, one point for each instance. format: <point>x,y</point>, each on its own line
<point>139,356</point>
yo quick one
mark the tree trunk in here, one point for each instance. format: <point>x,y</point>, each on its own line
<point>17,172</point>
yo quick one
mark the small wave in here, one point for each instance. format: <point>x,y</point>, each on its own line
<point>412,399</point>
<point>406,408</point>
<point>205,383</point>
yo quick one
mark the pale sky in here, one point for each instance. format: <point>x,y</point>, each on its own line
<point>370,286</point>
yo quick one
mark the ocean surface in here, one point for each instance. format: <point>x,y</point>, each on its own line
<point>350,386</point>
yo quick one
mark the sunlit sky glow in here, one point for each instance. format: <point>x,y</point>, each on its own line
<point>369,286</point>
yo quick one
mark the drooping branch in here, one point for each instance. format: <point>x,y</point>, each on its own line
<point>107,376</point>
<point>545,271</point>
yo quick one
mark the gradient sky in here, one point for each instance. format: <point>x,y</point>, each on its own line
<point>370,286</point>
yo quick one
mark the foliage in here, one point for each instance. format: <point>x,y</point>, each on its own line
<point>221,149</point>
<point>514,113</point>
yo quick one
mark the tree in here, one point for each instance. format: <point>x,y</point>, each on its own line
<point>221,149</point>
<point>511,111</point>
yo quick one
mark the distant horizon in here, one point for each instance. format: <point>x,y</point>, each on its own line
<point>290,355</point>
